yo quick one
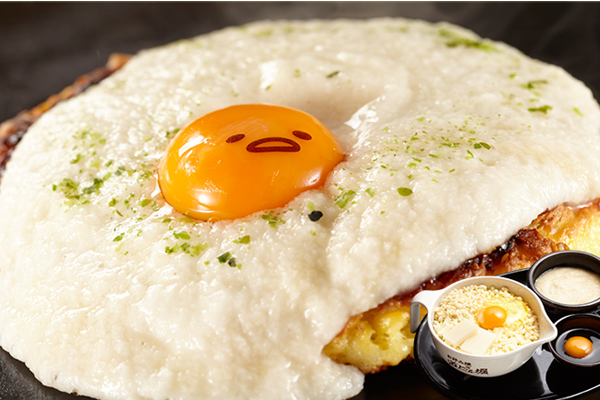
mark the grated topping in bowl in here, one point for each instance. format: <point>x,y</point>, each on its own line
<point>520,328</point>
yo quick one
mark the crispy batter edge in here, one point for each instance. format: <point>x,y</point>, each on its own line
<point>543,236</point>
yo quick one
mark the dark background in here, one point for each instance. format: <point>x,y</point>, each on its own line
<point>45,46</point>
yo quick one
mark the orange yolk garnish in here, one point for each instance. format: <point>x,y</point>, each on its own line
<point>491,317</point>
<point>578,347</point>
<point>246,158</point>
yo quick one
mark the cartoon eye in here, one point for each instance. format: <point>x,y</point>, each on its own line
<point>235,138</point>
<point>302,135</point>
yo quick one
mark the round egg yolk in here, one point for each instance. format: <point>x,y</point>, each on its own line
<point>492,317</point>
<point>578,346</point>
<point>238,160</point>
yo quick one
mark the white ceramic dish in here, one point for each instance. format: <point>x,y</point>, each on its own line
<point>479,365</point>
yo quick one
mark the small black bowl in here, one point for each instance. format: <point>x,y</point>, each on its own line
<point>568,258</point>
<point>586,325</point>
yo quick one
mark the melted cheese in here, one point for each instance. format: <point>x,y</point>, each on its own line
<point>452,145</point>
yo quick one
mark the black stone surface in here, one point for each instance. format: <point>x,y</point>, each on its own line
<point>45,46</point>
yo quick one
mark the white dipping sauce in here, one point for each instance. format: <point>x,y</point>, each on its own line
<point>569,285</point>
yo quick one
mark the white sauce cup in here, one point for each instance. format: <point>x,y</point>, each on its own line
<point>482,365</point>
<point>567,258</point>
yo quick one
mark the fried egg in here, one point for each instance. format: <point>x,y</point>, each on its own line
<point>246,158</point>
<point>502,312</point>
<point>143,258</point>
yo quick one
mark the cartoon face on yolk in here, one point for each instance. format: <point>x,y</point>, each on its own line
<point>246,158</point>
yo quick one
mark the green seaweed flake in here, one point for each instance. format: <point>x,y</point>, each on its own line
<point>197,249</point>
<point>94,187</point>
<point>543,109</point>
<point>243,240</point>
<point>223,258</point>
<point>535,84</point>
<point>77,158</point>
<point>456,40</point>
<point>182,235</point>
<point>171,134</point>
<point>342,200</point>
<point>75,194</point>
<point>273,219</point>
<point>481,145</point>
<point>144,202</point>
<point>69,188</point>
<point>404,192</point>
<point>173,249</point>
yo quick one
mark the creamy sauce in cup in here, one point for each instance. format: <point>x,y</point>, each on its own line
<point>569,285</point>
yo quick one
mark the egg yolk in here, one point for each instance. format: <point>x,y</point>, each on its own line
<point>578,346</point>
<point>242,159</point>
<point>492,317</point>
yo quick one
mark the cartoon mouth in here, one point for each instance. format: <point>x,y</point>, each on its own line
<point>292,148</point>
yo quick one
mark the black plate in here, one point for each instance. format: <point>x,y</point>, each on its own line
<point>542,377</point>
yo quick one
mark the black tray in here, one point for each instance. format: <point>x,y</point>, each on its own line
<point>542,377</point>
